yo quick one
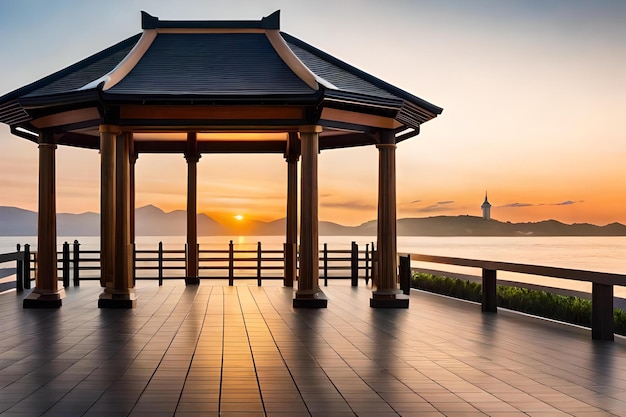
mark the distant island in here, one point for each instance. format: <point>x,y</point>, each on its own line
<point>152,221</point>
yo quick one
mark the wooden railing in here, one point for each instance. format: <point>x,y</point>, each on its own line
<point>22,268</point>
<point>76,264</point>
<point>237,264</point>
<point>602,285</point>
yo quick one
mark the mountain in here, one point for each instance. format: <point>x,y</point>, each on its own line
<point>152,221</point>
<point>17,222</point>
<point>477,226</point>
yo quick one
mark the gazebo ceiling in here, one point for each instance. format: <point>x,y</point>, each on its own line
<point>242,85</point>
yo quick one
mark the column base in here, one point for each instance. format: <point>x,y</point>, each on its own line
<point>310,299</point>
<point>44,300</point>
<point>192,281</point>
<point>117,300</point>
<point>389,299</point>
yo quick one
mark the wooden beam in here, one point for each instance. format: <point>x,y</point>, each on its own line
<point>79,140</point>
<point>212,147</point>
<point>359,118</point>
<point>150,112</point>
<point>346,141</point>
<point>67,117</point>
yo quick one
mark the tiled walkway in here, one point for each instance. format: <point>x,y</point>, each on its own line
<point>243,351</point>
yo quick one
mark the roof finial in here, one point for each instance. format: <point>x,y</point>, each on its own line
<point>148,21</point>
<point>271,22</point>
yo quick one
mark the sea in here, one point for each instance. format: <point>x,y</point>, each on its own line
<point>602,254</point>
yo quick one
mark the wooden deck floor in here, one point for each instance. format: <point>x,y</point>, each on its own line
<point>243,351</point>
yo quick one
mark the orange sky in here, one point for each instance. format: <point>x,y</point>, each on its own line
<point>534,97</point>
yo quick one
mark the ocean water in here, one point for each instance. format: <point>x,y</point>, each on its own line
<point>603,254</point>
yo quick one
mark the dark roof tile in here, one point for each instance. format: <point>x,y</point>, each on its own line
<point>86,71</point>
<point>234,64</point>
<point>337,76</point>
<point>349,79</point>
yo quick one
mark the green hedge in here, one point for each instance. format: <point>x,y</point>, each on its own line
<point>539,303</point>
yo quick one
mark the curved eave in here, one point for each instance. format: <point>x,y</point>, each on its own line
<point>403,111</point>
<point>348,98</point>
<point>13,113</point>
<point>106,98</point>
<point>60,99</point>
<point>207,99</point>
<point>27,89</point>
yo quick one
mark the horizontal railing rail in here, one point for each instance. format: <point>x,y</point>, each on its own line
<point>606,278</point>
<point>602,326</point>
<point>21,270</point>
<point>232,264</point>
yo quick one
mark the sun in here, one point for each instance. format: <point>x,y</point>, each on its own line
<point>239,217</point>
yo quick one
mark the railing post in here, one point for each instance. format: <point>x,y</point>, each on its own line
<point>490,293</point>
<point>160,261</point>
<point>19,270</point>
<point>66,264</point>
<point>76,263</point>
<point>602,325</point>
<point>258,264</point>
<point>405,274</point>
<point>326,264</point>
<point>354,264</point>
<point>367,263</point>
<point>290,252</point>
<point>134,271</point>
<point>27,266</point>
<point>374,269</point>
<point>231,264</point>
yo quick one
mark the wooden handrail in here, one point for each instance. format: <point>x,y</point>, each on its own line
<point>605,278</point>
<point>602,325</point>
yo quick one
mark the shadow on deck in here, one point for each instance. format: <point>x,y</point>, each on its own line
<point>244,351</point>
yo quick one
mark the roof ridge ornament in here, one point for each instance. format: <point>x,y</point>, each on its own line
<point>152,22</point>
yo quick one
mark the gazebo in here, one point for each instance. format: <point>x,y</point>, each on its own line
<point>201,87</point>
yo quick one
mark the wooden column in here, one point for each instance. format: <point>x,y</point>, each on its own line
<point>108,138</point>
<point>46,293</point>
<point>291,239</point>
<point>132,155</point>
<point>119,292</point>
<point>309,294</point>
<point>191,258</point>
<point>387,294</point>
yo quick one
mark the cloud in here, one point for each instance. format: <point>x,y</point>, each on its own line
<point>352,205</point>
<point>415,201</point>
<point>434,208</point>
<point>562,203</point>
<point>516,205</point>
<point>568,203</point>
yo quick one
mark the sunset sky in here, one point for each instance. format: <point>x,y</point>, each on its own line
<point>534,98</point>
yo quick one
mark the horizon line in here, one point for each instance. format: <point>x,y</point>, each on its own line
<point>334,222</point>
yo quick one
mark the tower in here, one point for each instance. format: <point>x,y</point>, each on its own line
<point>486,208</point>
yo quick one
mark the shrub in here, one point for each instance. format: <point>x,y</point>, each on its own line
<point>573,310</point>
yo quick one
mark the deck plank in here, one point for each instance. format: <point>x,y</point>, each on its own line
<point>244,351</point>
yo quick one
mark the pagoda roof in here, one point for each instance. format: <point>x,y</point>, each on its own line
<point>218,65</point>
